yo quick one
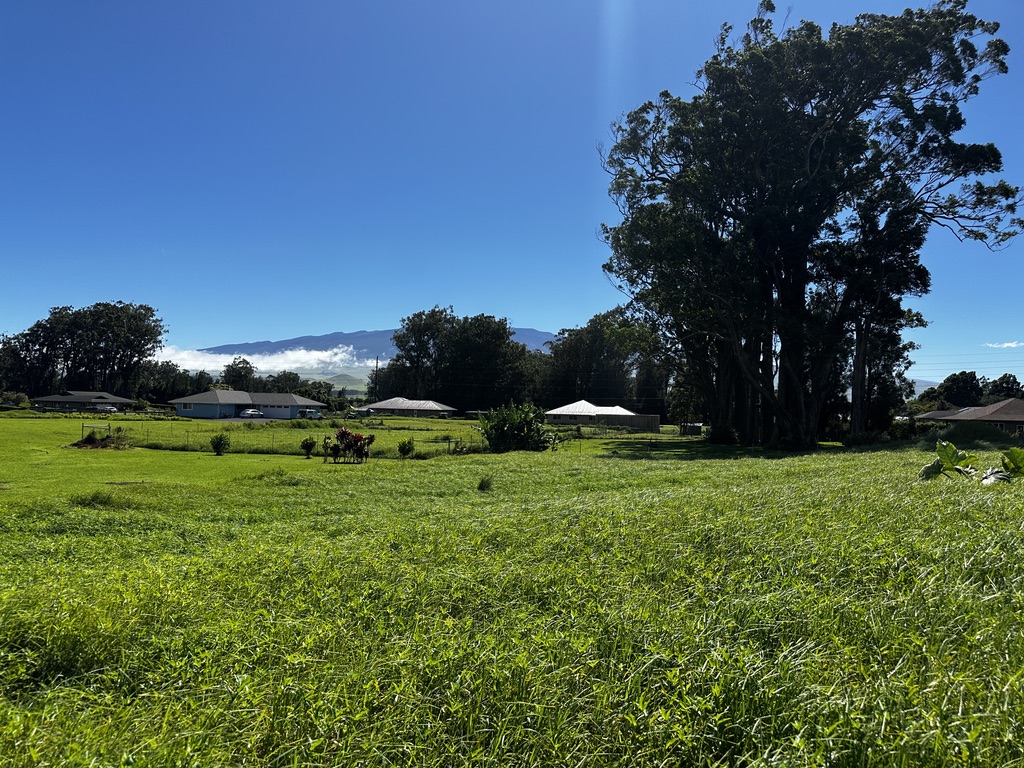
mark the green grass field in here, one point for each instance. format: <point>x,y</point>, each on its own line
<point>630,602</point>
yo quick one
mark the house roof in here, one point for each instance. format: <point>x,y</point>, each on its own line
<point>236,397</point>
<point>70,397</point>
<point>1010,410</point>
<point>402,404</point>
<point>583,408</point>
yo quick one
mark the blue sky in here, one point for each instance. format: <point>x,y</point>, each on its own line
<point>264,170</point>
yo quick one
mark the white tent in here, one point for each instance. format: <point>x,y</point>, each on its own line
<point>582,412</point>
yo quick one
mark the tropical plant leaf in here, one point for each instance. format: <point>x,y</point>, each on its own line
<point>950,460</point>
<point>953,457</point>
<point>931,470</point>
<point>1013,462</point>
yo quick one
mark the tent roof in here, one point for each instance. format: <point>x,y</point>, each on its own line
<point>583,408</point>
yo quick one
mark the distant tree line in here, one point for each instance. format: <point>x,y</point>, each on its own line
<point>108,347</point>
<point>475,364</point>
<point>469,363</point>
<point>966,389</point>
<point>111,347</point>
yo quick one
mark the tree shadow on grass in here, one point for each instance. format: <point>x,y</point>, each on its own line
<point>693,449</point>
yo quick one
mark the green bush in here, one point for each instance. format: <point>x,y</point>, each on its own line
<point>965,433</point>
<point>406,447</point>
<point>220,443</point>
<point>308,445</point>
<point>515,428</point>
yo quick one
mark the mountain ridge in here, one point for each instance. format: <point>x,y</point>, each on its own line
<point>366,345</point>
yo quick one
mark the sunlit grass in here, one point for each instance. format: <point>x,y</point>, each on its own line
<point>644,607</point>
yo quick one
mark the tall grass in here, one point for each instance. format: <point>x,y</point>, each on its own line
<point>586,610</point>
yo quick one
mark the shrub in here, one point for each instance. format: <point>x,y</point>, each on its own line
<point>406,447</point>
<point>308,445</point>
<point>486,484</point>
<point>903,429</point>
<point>220,443</point>
<point>965,433</point>
<point>13,398</point>
<point>515,428</point>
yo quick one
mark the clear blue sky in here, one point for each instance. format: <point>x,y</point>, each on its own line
<point>264,170</point>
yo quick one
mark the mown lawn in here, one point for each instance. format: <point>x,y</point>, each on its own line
<point>632,605</point>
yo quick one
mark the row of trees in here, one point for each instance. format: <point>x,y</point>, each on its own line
<point>772,224</point>
<point>474,363</point>
<point>965,389</point>
<point>110,347</point>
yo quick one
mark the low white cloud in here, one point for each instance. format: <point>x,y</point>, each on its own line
<point>303,361</point>
<point>1004,344</point>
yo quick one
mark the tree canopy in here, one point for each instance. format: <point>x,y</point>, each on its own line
<point>103,347</point>
<point>469,363</point>
<point>772,224</point>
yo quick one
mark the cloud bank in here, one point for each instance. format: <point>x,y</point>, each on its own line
<point>302,361</point>
<point>1004,344</point>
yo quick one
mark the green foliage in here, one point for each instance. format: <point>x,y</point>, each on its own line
<point>14,398</point>
<point>801,610</point>
<point>463,362</point>
<point>239,374</point>
<point>1013,462</point>
<point>772,223</point>
<point>101,347</point>
<point>486,484</point>
<point>220,443</point>
<point>958,390</point>
<point>406,447</point>
<point>308,445</point>
<point>972,433</point>
<point>515,428</point>
<point>951,461</point>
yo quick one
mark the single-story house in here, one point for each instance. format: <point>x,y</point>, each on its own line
<point>1007,414</point>
<point>581,412</point>
<point>229,403</point>
<point>400,406</point>
<point>77,400</point>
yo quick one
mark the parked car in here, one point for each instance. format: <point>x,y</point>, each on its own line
<point>251,413</point>
<point>106,409</point>
<point>310,413</point>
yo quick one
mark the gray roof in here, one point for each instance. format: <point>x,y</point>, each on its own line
<point>1010,410</point>
<point>236,397</point>
<point>402,404</point>
<point>73,397</point>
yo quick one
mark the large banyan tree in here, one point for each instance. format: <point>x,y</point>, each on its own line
<point>772,224</point>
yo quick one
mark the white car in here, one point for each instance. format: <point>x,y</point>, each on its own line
<point>310,413</point>
<point>251,413</point>
<point>106,409</point>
